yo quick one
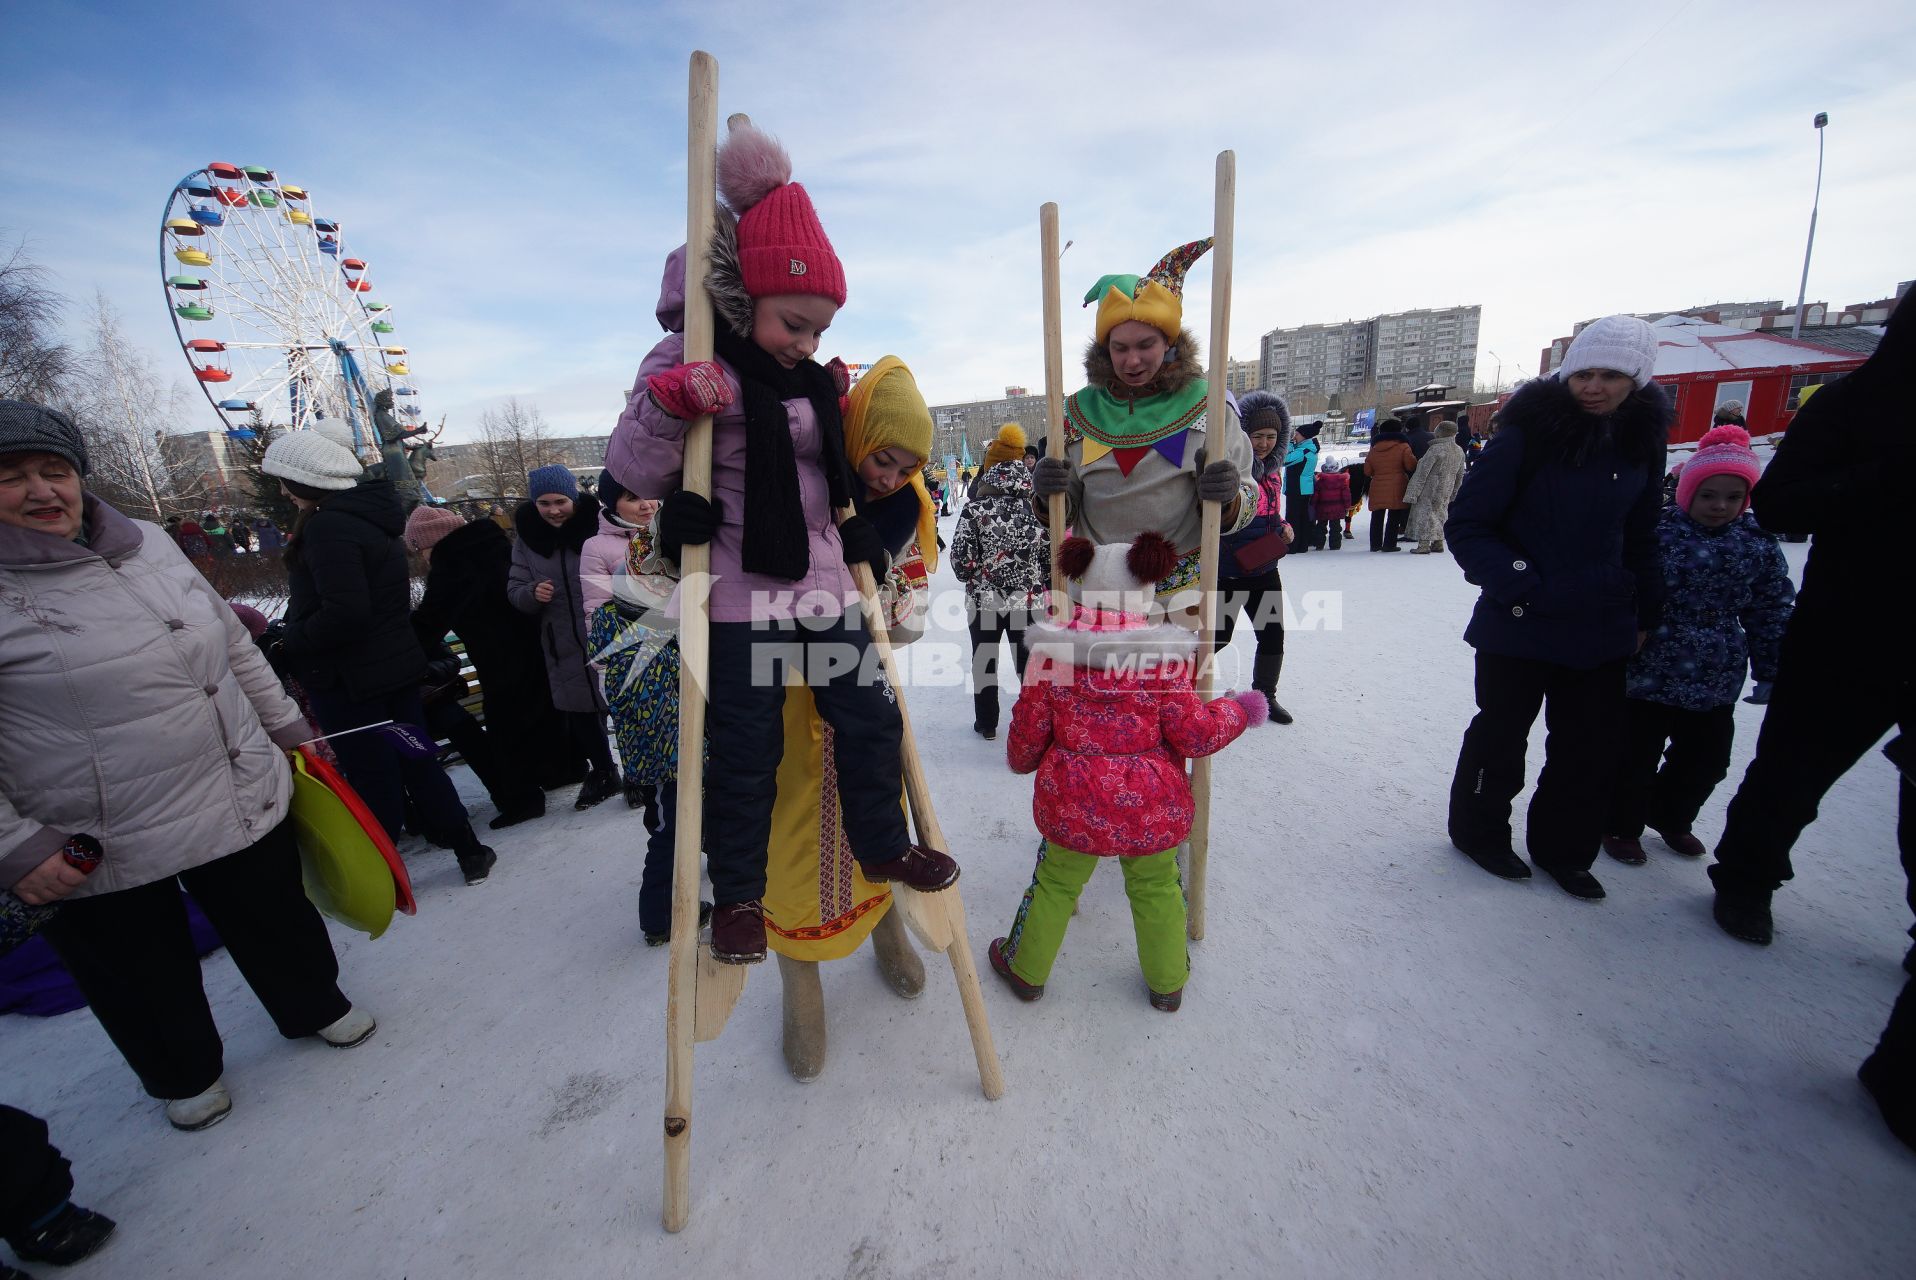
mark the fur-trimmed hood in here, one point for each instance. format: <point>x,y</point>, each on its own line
<point>1183,368</point>
<point>1553,424</point>
<point>542,538</point>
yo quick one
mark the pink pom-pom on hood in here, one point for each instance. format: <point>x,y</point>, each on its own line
<point>751,165</point>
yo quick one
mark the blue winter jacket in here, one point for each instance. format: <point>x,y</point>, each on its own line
<point>1300,467</point>
<point>1727,600</point>
<point>1564,545</point>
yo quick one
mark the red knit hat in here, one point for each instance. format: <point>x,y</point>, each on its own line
<point>782,246</point>
<point>1723,451</point>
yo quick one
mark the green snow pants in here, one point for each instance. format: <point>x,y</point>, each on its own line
<point>1157,914</point>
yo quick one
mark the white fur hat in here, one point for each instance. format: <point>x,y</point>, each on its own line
<point>1115,585</point>
<point>314,457</point>
<point>1623,343</point>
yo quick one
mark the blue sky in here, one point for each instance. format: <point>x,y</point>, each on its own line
<point>514,172</point>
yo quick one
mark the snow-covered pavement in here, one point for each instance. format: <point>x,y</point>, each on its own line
<point>1388,1062</point>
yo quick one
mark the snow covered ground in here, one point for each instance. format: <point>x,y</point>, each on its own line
<point>1387,1061</point>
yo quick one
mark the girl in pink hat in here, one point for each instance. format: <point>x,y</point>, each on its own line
<point>1727,600</point>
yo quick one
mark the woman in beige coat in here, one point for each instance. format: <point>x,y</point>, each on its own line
<point>1440,473</point>
<point>138,714</point>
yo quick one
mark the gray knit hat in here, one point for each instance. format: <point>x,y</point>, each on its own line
<point>310,457</point>
<point>1623,343</point>
<point>34,428</point>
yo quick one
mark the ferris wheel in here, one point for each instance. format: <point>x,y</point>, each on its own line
<point>275,317</point>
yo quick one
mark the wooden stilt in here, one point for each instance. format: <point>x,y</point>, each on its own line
<point>1049,253</point>
<point>1223,232</point>
<point>938,919</point>
<point>683,995</point>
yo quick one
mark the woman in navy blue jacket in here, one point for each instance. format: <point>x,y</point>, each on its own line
<point>1557,525</point>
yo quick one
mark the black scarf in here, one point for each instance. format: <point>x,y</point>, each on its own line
<point>776,542</point>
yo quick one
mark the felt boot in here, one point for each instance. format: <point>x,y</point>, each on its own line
<point>353,1028</point>
<point>201,1111</point>
<point>804,1032</point>
<point>901,966</point>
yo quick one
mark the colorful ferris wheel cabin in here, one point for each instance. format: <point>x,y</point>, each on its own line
<point>186,282</point>
<point>264,199</point>
<point>375,306</point>
<point>207,217</point>
<point>394,351</point>
<point>258,173</point>
<point>206,344</point>
<point>194,257</point>
<point>238,406</point>
<point>352,264</point>
<point>399,389</point>
<point>299,217</point>
<point>184,227</point>
<point>400,367</point>
<point>292,193</point>
<point>213,375</point>
<point>227,172</point>
<point>382,326</point>
<point>231,197</point>
<point>359,286</point>
<point>327,225</point>
<point>194,311</point>
<point>198,190</point>
<point>328,245</point>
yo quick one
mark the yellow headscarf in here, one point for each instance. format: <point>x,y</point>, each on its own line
<point>887,410</point>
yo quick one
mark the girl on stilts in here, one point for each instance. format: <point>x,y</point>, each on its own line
<point>781,595</point>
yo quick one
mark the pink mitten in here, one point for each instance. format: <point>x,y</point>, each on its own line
<point>1256,709</point>
<point>689,391</point>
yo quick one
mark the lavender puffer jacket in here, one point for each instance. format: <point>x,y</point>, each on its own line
<point>646,455</point>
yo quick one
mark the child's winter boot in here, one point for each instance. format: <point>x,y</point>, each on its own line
<point>1168,1001</point>
<point>1002,967</point>
<point>925,870</point>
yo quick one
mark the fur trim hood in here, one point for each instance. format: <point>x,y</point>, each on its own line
<point>545,540</point>
<point>1551,421</point>
<point>725,279</point>
<point>1180,371</point>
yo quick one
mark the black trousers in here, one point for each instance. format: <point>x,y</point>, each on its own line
<point>385,777</point>
<point>1297,510</point>
<point>655,882</point>
<point>1694,750</point>
<point>132,956</point>
<point>1818,725</point>
<point>1262,596</point>
<point>746,740</point>
<point>988,626</point>
<point>513,789</point>
<point>587,731</point>
<point>35,1179</point>
<point>1585,714</point>
<point>1386,527</point>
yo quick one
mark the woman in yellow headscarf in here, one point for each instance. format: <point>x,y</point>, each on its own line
<point>818,904</point>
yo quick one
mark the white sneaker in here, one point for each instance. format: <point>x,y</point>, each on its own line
<point>350,1030</point>
<point>202,1110</point>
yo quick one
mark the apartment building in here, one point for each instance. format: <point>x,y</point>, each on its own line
<point>1403,349</point>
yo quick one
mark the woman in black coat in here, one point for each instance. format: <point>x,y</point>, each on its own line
<point>466,568</point>
<point>1557,525</point>
<point>349,636</point>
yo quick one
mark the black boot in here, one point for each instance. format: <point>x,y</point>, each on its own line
<point>1265,668</point>
<point>1890,1073</point>
<point>71,1235</point>
<point>597,786</point>
<point>1497,859</point>
<point>1575,881</point>
<point>533,808</point>
<point>1745,915</point>
<point>476,862</point>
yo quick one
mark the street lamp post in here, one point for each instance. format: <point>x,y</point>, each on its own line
<point>1802,289</point>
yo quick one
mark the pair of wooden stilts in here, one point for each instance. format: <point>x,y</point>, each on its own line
<point>702,991</point>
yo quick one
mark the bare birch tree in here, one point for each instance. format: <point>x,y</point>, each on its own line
<point>513,440</point>
<point>124,413</point>
<point>33,360</point>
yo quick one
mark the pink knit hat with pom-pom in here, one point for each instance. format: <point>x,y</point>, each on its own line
<point>1723,451</point>
<point>782,247</point>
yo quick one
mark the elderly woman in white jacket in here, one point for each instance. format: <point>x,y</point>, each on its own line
<point>136,713</point>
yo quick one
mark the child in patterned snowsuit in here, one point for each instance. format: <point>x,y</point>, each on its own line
<point>1107,719</point>
<point>626,585</point>
<point>1728,601</point>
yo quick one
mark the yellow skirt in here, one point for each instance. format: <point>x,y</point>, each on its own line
<point>818,905</point>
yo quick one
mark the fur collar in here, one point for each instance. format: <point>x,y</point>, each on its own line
<point>1105,655</point>
<point>1179,372</point>
<point>1551,421</point>
<point>545,540</point>
<point>725,279</point>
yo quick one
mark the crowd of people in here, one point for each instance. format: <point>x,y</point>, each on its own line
<point>1629,614</point>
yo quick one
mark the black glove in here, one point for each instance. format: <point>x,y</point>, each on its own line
<point>1050,476</point>
<point>686,519</point>
<point>863,545</point>
<point>1217,482</point>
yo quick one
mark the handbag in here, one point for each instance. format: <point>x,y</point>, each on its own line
<point>1260,553</point>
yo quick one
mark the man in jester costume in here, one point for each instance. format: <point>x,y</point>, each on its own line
<point>1139,453</point>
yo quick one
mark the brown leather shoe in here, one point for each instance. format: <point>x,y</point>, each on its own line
<point>925,870</point>
<point>738,932</point>
<point>1684,843</point>
<point>1025,991</point>
<point>1626,850</point>
<point>1167,1000</point>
